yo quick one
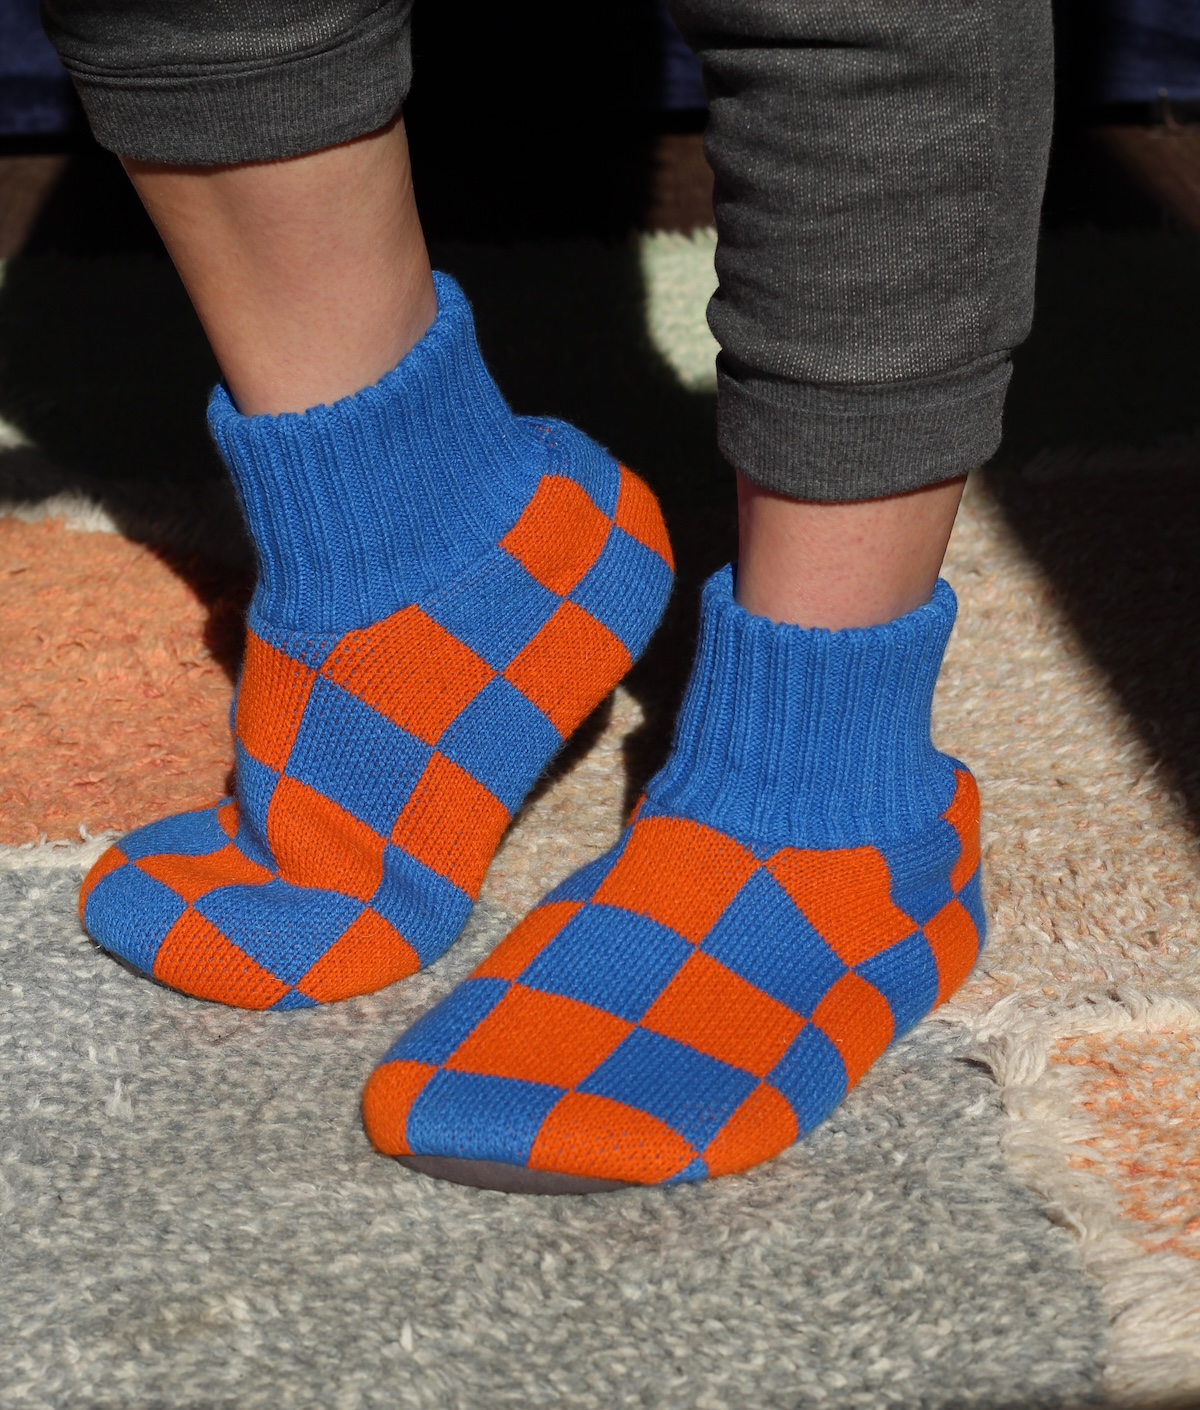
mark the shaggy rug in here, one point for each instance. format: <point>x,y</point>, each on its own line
<point>1002,1214</point>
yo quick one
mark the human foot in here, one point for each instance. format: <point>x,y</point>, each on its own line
<point>799,886</point>
<point>445,592</point>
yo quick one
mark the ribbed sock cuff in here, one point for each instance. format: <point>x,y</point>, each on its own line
<point>809,738</point>
<point>362,506</point>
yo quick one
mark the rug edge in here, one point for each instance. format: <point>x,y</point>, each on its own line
<point>1153,1298</point>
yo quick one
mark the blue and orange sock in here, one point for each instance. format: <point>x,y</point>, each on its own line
<point>445,591</point>
<point>798,887</point>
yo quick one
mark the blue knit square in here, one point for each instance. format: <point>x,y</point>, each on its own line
<point>692,1093</point>
<point>812,1076</point>
<point>463,1115</point>
<point>971,897</point>
<point>138,911</point>
<point>185,835</point>
<point>372,780</point>
<point>436,1034</point>
<point>697,1170</point>
<point>294,999</point>
<point>250,844</point>
<point>424,907</point>
<point>906,975</point>
<point>255,785</point>
<point>577,458</point>
<point>604,592</point>
<point>764,938</point>
<point>583,884</point>
<point>609,958</point>
<point>503,740</point>
<point>494,607</point>
<point>309,648</point>
<point>282,927</point>
<point>920,871</point>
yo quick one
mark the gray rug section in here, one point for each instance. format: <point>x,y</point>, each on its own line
<point>190,1216</point>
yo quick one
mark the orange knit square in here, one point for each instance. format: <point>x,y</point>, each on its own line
<point>856,1018</point>
<point>370,954</point>
<point>108,862</point>
<point>272,695</point>
<point>713,1010</point>
<point>191,877</point>
<point>559,536</point>
<point>963,817</point>
<point>761,1127</point>
<point>227,819</point>
<point>846,895</point>
<point>569,666</point>
<point>596,1136</point>
<point>387,1100</point>
<point>679,873</point>
<point>196,957</point>
<point>526,940</point>
<point>452,824</point>
<point>410,669</point>
<point>955,945</point>
<point>317,843</point>
<point>639,515</point>
<point>535,1037</point>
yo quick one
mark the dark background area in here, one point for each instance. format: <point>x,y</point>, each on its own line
<point>542,120</point>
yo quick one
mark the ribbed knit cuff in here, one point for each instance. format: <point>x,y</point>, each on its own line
<point>362,506</point>
<point>809,738</point>
<point>854,443</point>
<point>254,110</point>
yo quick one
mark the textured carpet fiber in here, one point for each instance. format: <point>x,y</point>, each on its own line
<point>113,717</point>
<point>193,1217</point>
<point>190,1214</point>
<point>1140,1092</point>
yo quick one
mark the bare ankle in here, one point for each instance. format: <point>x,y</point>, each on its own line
<point>841,565</point>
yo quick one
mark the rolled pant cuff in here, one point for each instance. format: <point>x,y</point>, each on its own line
<point>256,111</point>
<point>850,443</point>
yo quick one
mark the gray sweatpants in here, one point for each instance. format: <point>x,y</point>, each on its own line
<point>879,168</point>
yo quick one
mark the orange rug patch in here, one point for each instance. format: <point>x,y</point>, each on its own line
<point>1142,1091</point>
<point>117,681</point>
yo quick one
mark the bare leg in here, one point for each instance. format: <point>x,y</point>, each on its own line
<point>841,565</point>
<point>310,275</point>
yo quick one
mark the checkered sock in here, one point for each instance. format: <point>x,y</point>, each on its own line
<point>445,591</point>
<point>798,887</point>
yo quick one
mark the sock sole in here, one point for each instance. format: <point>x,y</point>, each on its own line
<point>506,1179</point>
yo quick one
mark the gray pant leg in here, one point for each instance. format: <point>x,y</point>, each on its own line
<point>206,81</point>
<point>879,169</point>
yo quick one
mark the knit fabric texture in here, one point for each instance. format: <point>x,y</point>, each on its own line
<point>445,592</point>
<point>797,888</point>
